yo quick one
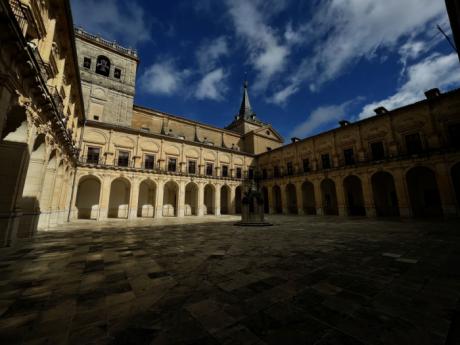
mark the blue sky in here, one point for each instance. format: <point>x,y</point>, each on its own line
<point>309,63</point>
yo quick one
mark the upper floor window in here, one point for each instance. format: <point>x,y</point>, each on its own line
<point>92,155</point>
<point>326,161</point>
<point>264,173</point>
<point>224,170</point>
<point>123,158</point>
<point>454,134</point>
<point>87,62</point>
<point>117,73</point>
<point>306,165</point>
<point>103,65</point>
<point>209,168</point>
<point>413,143</point>
<point>251,173</point>
<point>290,168</point>
<point>238,172</point>
<point>377,150</point>
<point>191,167</point>
<point>149,162</point>
<point>269,148</point>
<point>276,171</point>
<point>349,156</point>
<point>172,164</point>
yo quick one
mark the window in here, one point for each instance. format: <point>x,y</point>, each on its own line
<point>224,170</point>
<point>149,162</point>
<point>117,73</point>
<point>145,129</point>
<point>264,174</point>
<point>238,172</point>
<point>87,63</point>
<point>454,134</point>
<point>209,167</point>
<point>378,153</point>
<point>413,143</point>
<point>290,168</point>
<point>251,173</point>
<point>123,158</point>
<point>191,167</point>
<point>326,161</point>
<point>269,148</point>
<point>349,157</point>
<point>276,171</point>
<point>172,164</point>
<point>103,65</point>
<point>93,155</point>
<point>306,165</point>
<point>96,118</point>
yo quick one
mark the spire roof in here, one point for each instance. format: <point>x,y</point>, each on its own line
<point>245,108</point>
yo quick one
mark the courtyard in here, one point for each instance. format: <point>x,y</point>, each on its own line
<point>201,280</point>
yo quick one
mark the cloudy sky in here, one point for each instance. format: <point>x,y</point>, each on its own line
<point>309,63</point>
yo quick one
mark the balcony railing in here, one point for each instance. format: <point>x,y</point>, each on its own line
<point>18,12</point>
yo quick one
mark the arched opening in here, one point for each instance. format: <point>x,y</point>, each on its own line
<point>455,173</point>
<point>225,200</point>
<point>146,200</point>
<point>119,198</point>
<point>208,199</point>
<point>385,198</point>
<point>329,197</point>
<point>277,204</point>
<point>191,199</point>
<point>88,192</point>
<point>238,197</point>
<point>308,198</point>
<point>423,192</point>
<point>266,202</point>
<point>170,199</point>
<point>291,198</point>
<point>354,196</point>
<point>103,65</point>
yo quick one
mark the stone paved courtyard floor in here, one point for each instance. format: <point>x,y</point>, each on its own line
<point>305,280</point>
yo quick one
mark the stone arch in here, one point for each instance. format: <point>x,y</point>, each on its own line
<point>225,199</point>
<point>455,175</point>
<point>238,198</point>
<point>354,197</point>
<point>423,192</point>
<point>146,199</point>
<point>191,199</point>
<point>170,199</point>
<point>95,136</point>
<point>277,202</point>
<point>308,198</point>
<point>291,198</point>
<point>385,197</point>
<point>120,190</point>
<point>329,197</point>
<point>266,199</point>
<point>88,194</point>
<point>209,199</point>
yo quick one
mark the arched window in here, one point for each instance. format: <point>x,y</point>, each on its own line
<point>103,65</point>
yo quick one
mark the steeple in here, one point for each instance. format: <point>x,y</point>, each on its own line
<point>245,108</point>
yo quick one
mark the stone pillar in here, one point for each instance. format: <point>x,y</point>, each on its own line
<point>231,203</point>
<point>271,204</point>
<point>159,199</point>
<point>446,189</point>
<point>217,200</point>
<point>368,196</point>
<point>340,193</point>
<point>56,197</point>
<point>46,197</point>
<point>104,198</point>
<point>298,193</point>
<point>318,197</point>
<point>133,199</point>
<point>200,198</point>
<point>284,204</point>
<point>401,193</point>
<point>181,203</point>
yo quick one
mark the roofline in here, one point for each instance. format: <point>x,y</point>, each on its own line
<point>187,120</point>
<point>370,118</point>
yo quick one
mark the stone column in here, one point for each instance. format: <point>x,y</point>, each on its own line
<point>271,204</point>
<point>217,200</point>
<point>284,204</point>
<point>340,193</point>
<point>46,197</point>
<point>200,198</point>
<point>231,203</point>
<point>446,189</point>
<point>368,196</point>
<point>318,197</point>
<point>401,193</point>
<point>298,193</point>
<point>159,199</point>
<point>104,197</point>
<point>134,199</point>
<point>181,204</point>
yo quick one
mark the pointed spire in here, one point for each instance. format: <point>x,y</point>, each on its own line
<point>245,108</point>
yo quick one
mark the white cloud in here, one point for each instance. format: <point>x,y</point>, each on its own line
<point>125,23</point>
<point>267,54</point>
<point>441,71</point>
<point>344,31</point>
<point>212,86</point>
<point>209,53</point>
<point>163,78</point>
<point>321,116</point>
